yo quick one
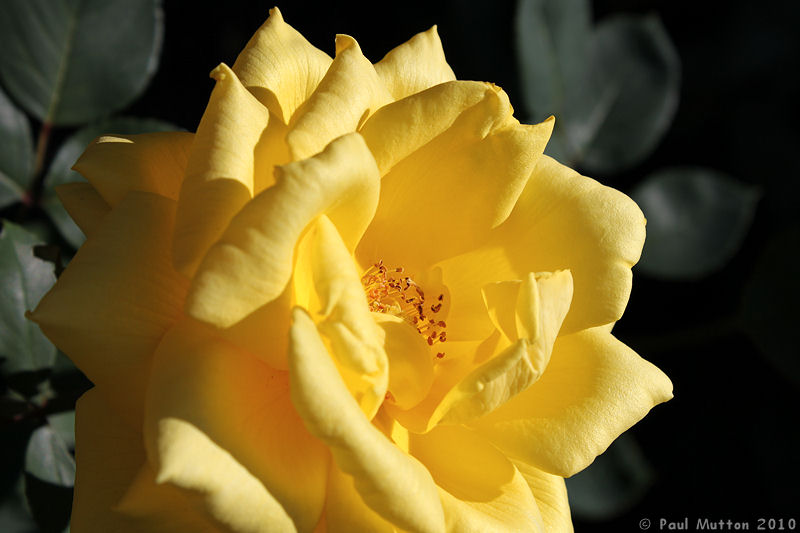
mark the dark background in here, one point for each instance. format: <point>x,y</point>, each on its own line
<point>726,446</point>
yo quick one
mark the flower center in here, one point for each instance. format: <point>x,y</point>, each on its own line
<point>389,291</point>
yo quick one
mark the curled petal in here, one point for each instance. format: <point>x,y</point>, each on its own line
<point>342,315</point>
<point>594,389</point>
<point>111,464</point>
<point>280,67</point>
<point>86,207</point>
<point>150,162</point>
<point>345,510</point>
<point>400,128</point>
<point>550,493</point>
<point>480,489</point>
<point>415,65</point>
<point>564,220</point>
<point>393,484</point>
<point>117,298</point>
<point>480,163</point>
<point>219,173</point>
<point>529,313</point>
<point>249,416</point>
<point>346,96</point>
<point>252,262</point>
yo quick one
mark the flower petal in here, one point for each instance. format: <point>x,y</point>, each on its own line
<point>415,65</point>
<point>86,207</point>
<point>564,220</point>
<point>150,162</point>
<point>410,361</point>
<point>398,129</point>
<point>213,480</point>
<point>480,489</point>
<point>110,457</point>
<point>594,388</point>
<point>550,493</point>
<point>345,510</point>
<point>391,483</point>
<point>342,315</point>
<point>116,298</point>
<point>538,305</point>
<point>249,416</point>
<point>219,173</point>
<point>280,67</point>
<point>479,164</point>
<point>346,96</point>
<point>252,262</point>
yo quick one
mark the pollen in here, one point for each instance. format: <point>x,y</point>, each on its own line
<point>390,290</point>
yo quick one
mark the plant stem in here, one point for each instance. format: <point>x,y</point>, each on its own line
<point>35,192</point>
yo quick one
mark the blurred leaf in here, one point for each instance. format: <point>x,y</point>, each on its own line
<point>23,281</point>
<point>48,457</point>
<point>697,219</point>
<point>769,308</point>
<point>635,85</point>
<point>60,169</point>
<point>14,516</point>
<point>72,61</point>
<point>553,39</point>
<point>613,483</point>
<point>16,152</point>
<point>50,504</point>
<point>63,424</point>
<point>613,89</point>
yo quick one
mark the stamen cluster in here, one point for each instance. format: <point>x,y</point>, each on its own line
<point>389,291</point>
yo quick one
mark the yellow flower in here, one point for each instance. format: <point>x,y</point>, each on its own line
<point>358,298</point>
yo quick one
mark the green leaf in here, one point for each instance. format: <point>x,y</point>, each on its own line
<point>16,152</point>
<point>23,281</point>
<point>613,88</point>
<point>72,61</point>
<point>613,483</point>
<point>553,43</point>
<point>635,88</point>
<point>769,308</point>
<point>60,171</point>
<point>48,458</point>
<point>697,219</point>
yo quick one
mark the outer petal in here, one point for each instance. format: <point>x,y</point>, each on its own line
<point>564,220</point>
<point>346,96</point>
<point>110,457</point>
<point>280,67</point>
<point>594,388</point>
<point>391,483</point>
<point>116,299</point>
<point>415,65</point>
<point>249,416</point>
<point>551,496</point>
<point>479,165</point>
<point>86,207</point>
<point>219,173</point>
<point>252,263</point>
<point>480,489</point>
<point>151,162</point>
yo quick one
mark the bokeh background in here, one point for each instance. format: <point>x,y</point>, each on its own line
<point>726,447</point>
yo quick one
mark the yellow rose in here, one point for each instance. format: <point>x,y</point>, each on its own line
<point>358,298</point>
